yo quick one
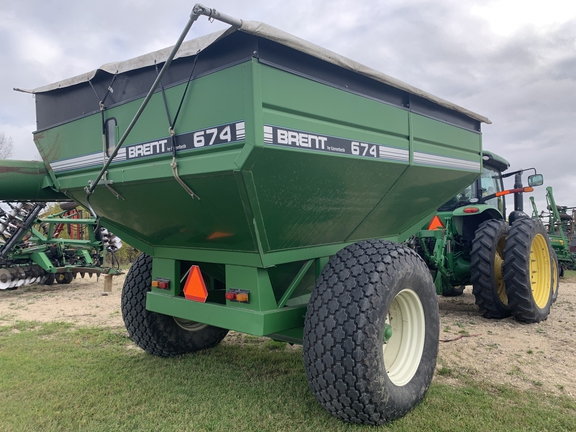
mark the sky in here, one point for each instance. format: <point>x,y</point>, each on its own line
<point>513,61</point>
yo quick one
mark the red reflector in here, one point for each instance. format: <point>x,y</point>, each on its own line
<point>435,224</point>
<point>238,295</point>
<point>471,210</point>
<point>161,283</point>
<point>194,288</point>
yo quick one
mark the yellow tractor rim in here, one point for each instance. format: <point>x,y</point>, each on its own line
<point>540,271</point>
<point>498,276</point>
<point>554,275</point>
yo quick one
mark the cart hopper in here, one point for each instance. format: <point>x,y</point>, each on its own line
<point>278,144</point>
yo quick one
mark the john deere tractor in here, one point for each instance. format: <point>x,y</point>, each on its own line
<point>509,263</point>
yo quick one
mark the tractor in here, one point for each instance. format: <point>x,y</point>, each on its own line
<point>509,263</point>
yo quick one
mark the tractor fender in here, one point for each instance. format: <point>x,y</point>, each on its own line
<point>467,219</point>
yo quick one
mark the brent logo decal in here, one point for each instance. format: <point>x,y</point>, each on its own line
<point>147,149</point>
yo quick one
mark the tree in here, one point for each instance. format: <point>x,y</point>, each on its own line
<point>6,145</point>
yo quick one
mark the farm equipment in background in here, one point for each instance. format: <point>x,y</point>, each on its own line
<point>58,247</point>
<point>469,242</point>
<point>276,205</point>
<point>560,224</point>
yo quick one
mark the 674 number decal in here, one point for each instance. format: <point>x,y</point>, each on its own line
<point>213,136</point>
<point>363,149</point>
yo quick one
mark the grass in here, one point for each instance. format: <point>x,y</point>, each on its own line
<point>569,276</point>
<point>58,377</point>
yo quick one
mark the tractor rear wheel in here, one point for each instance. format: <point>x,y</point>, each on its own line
<point>528,271</point>
<point>155,333</point>
<point>371,333</point>
<point>487,258</point>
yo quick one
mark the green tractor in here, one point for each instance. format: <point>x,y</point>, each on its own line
<point>559,222</point>
<point>510,264</point>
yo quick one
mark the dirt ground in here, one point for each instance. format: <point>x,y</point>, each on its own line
<point>525,356</point>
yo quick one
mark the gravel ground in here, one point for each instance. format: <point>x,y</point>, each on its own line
<point>525,356</point>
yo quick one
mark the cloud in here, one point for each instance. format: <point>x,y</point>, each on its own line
<point>511,61</point>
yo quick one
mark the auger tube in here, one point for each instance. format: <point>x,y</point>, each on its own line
<point>26,181</point>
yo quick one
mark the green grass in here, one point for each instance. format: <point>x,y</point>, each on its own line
<point>569,276</point>
<point>57,377</point>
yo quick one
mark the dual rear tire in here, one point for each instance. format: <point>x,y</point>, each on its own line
<point>513,271</point>
<point>528,271</point>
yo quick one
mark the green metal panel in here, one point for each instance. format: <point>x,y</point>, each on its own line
<point>444,139</point>
<point>306,200</point>
<point>256,281</point>
<point>168,269</point>
<point>258,323</point>
<point>302,103</point>
<point>75,138</point>
<point>162,214</point>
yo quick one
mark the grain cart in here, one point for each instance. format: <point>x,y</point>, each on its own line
<point>559,222</point>
<point>54,248</point>
<point>269,183</point>
<point>468,241</point>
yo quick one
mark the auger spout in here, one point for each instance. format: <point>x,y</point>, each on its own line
<point>26,181</point>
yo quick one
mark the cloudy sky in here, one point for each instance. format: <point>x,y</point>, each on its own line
<point>513,61</point>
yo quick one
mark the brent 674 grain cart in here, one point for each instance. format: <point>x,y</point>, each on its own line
<point>268,183</point>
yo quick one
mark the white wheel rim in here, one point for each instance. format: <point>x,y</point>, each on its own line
<point>403,351</point>
<point>189,325</point>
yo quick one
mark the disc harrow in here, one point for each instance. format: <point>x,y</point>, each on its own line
<point>55,248</point>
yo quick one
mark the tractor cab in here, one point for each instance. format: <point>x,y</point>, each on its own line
<point>488,185</point>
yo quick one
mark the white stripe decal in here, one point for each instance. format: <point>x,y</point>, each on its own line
<point>86,161</point>
<point>443,161</point>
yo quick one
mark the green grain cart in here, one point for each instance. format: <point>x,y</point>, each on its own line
<point>269,183</point>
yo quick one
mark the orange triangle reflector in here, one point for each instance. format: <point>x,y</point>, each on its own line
<point>435,223</point>
<point>195,288</point>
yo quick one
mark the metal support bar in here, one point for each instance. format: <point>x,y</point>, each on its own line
<point>214,14</point>
<point>196,12</point>
<point>294,283</point>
